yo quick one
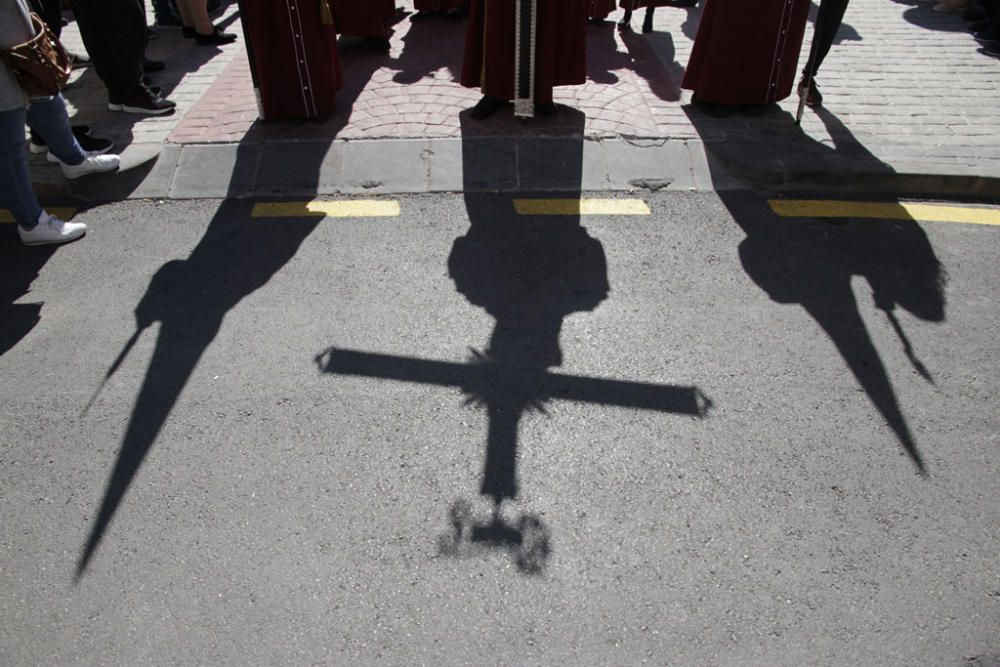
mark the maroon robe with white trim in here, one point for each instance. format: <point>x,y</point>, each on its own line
<point>746,52</point>
<point>560,47</point>
<point>294,57</point>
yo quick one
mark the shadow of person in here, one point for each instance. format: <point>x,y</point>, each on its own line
<point>20,268</point>
<point>812,263</point>
<point>190,298</point>
<point>428,47</point>
<point>647,53</point>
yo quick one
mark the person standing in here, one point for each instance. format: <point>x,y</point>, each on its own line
<point>293,54</point>
<point>745,53</point>
<point>114,34</point>
<point>559,59</point>
<point>828,20</point>
<point>47,116</point>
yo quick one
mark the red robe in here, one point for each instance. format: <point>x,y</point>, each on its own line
<point>560,47</point>
<point>746,52</point>
<point>599,9</point>
<point>294,57</point>
<point>438,5</point>
<point>364,18</point>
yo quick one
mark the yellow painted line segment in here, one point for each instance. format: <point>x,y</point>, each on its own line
<point>62,213</point>
<point>355,208</point>
<point>581,207</point>
<point>814,208</point>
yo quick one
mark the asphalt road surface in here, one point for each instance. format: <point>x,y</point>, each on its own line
<point>463,436</point>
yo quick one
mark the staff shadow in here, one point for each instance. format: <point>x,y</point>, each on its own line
<point>190,298</point>
<point>812,262</point>
<point>529,263</point>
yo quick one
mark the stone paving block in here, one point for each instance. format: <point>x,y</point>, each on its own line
<point>489,164</point>
<point>550,164</point>
<point>299,168</point>
<point>652,165</point>
<point>445,165</point>
<point>216,171</point>
<point>385,166</point>
<point>156,184</point>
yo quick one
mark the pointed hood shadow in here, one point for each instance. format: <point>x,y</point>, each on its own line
<point>812,262</point>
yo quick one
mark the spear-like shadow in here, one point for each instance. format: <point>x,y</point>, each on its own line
<point>812,262</point>
<point>190,298</point>
<point>529,272</point>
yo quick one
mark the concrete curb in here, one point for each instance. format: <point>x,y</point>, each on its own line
<point>525,164</point>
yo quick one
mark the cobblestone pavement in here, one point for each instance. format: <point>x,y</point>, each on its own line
<point>907,91</point>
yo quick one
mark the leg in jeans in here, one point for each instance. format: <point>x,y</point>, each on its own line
<point>47,117</point>
<point>15,181</point>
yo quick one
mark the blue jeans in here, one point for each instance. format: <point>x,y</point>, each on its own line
<point>46,116</point>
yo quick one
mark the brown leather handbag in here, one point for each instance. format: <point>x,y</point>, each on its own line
<point>41,65</point>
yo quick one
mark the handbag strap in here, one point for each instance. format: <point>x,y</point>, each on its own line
<point>22,6</point>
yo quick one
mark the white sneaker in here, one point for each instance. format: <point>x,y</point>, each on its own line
<point>92,164</point>
<point>51,230</point>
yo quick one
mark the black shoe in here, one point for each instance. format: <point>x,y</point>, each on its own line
<point>144,101</point>
<point>153,65</point>
<point>986,37</point>
<point>189,33</point>
<point>813,96</point>
<point>486,107</point>
<point>984,24</point>
<point>215,38</point>
<point>38,145</point>
<point>992,50</point>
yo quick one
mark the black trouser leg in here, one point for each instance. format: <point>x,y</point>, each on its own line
<point>114,33</point>
<point>51,13</point>
<point>828,20</point>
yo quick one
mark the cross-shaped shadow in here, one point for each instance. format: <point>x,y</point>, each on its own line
<point>529,272</point>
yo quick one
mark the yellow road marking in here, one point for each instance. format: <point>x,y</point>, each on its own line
<point>6,217</point>
<point>581,207</point>
<point>811,208</point>
<point>353,208</point>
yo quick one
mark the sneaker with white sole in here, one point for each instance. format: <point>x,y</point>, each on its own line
<point>92,164</point>
<point>50,230</point>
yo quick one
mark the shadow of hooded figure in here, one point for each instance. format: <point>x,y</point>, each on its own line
<point>812,263</point>
<point>189,299</point>
<point>529,272</point>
